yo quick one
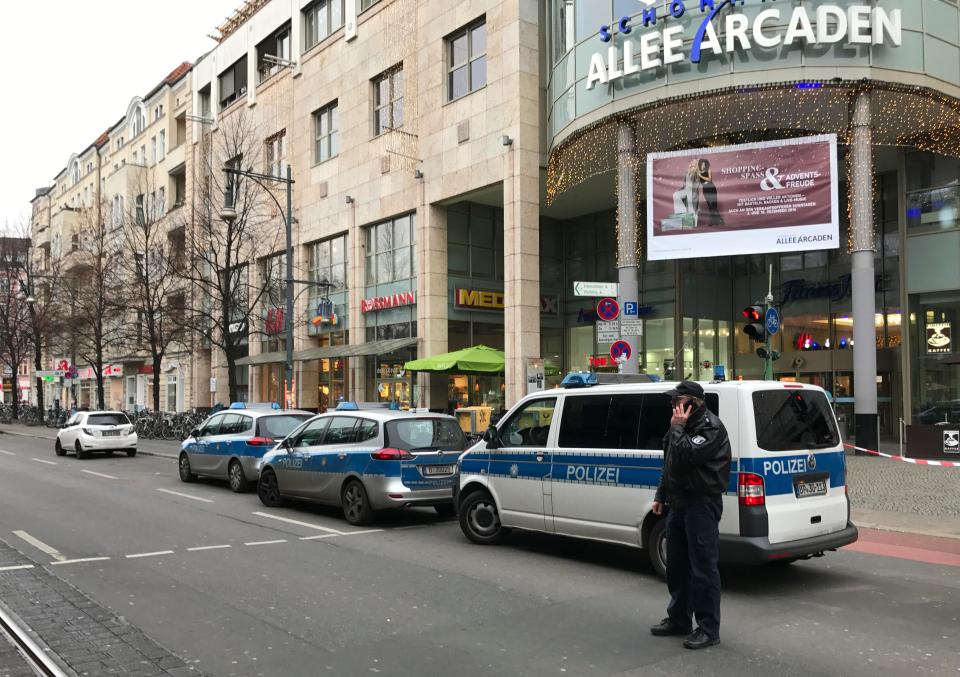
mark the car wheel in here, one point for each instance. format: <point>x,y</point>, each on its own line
<point>80,452</point>
<point>657,548</point>
<point>268,489</point>
<point>186,475</point>
<point>480,520</point>
<point>131,453</point>
<point>445,510</point>
<point>60,451</point>
<point>238,481</point>
<point>356,504</point>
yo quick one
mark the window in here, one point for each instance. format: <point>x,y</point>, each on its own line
<point>135,157</point>
<point>140,207</point>
<point>278,427</point>
<point>328,261</point>
<point>530,426</point>
<point>171,392</point>
<point>467,60</point>
<point>229,425</point>
<point>212,426</point>
<point>320,20</point>
<point>272,51</point>
<point>139,121</point>
<point>326,125</point>
<point>426,433</point>
<point>794,420</point>
<point>161,202</point>
<point>277,154</point>
<point>312,434</point>
<point>204,105</point>
<point>120,143</point>
<point>388,101</point>
<point>108,419</point>
<point>233,83</point>
<point>390,251</point>
<point>367,4</point>
<point>342,430</point>
<point>162,147</point>
<point>153,149</point>
<point>368,430</point>
<point>158,112</point>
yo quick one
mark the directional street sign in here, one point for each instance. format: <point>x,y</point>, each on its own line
<point>772,320</point>
<point>621,351</point>
<point>608,332</point>
<point>608,310</point>
<point>595,289</point>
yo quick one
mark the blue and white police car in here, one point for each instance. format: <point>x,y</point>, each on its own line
<point>366,459</point>
<point>229,444</point>
<point>586,462</point>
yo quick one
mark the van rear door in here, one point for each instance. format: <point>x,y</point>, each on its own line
<point>799,455</point>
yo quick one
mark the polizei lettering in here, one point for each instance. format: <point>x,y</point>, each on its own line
<point>589,473</point>
<point>788,466</point>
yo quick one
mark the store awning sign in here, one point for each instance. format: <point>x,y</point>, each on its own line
<point>771,28</point>
<point>940,338</point>
<point>756,198</point>
<point>407,298</point>
<point>488,299</point>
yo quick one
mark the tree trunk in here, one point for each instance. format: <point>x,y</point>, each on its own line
<point>101,400</point>
<point>157,360</point>
<point>232,387</point>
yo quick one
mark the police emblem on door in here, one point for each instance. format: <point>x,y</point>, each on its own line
<point>811,462</point>
<point>951,441</point>
<point>514,470</point>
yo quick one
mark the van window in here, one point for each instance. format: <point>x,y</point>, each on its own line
<point>529,426</point>
<point>794,420</point>
<point>628,421</point>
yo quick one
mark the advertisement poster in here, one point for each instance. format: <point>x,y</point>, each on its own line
<point>757,198</point>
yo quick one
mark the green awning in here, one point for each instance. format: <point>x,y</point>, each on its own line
<point>475,360</point>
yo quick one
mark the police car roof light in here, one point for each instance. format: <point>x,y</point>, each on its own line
<point>579,379</point>
<point>238,405</point>
<point>348,406</point>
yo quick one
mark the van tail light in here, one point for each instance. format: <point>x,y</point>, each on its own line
<point>391,455</point>
<point>260,442</point>
<point>750,489</point>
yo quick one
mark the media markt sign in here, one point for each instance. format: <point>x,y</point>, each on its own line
<point>856,24</point>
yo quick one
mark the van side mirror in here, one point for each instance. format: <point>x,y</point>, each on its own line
<point>492,437</point>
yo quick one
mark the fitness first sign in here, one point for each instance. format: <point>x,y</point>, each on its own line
<point>662,41</point>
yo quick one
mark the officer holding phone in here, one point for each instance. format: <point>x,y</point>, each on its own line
<point>696,472</point>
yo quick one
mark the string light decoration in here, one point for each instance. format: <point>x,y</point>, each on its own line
<point>901,115</point>
<point>401,38</point>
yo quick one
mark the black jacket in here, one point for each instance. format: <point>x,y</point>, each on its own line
<point>696,459</point>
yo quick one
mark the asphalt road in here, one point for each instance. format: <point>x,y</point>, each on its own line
<point>238,589</point>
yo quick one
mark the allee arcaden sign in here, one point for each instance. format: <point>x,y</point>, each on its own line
<point>858,24</point>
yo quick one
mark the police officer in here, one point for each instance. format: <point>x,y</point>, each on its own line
<point>696,472</point>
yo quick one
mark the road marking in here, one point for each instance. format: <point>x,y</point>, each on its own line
<point>40,460</point>
<point>276,542</point>
<point>82,560</point>
<point>299,523</point>
<point>208,547</point>
<point>40,545</point>
<point>7,453</point>
<point>19,567</point>
<point>358,533</point>
<point>177,493</point>
<point>140,555</point>
<point>100,474</point>
<point>317,538</point>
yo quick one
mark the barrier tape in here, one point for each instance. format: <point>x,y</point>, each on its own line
<point>915,461</point>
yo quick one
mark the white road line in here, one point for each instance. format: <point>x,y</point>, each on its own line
<point>359,533</point>
<point>82,560</point>
<point>317,538</point>
<point>7,453</point>
<point>19,567</point>
<point>40,545</point>
<point>177,493</point>
<point>208,547</point>
<point>276,542</point>
<point>100,474</point>
<point>140,555</point>
<point>40,460</point>
<point>299,523</point>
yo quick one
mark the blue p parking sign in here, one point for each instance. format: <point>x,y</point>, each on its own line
<point>631,309</point>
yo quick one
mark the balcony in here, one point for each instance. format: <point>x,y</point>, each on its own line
<point>176,157</point>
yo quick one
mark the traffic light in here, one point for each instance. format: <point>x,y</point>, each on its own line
<point>763,353</point>
<point>755,327</point>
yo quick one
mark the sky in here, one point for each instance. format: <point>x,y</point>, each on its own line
<point>71,70</point>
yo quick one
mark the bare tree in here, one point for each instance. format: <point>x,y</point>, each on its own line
<point>151,267</point>
<point>228,291</point>
<point>16,337</point>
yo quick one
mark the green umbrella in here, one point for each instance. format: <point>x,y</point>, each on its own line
<point>474,360</point>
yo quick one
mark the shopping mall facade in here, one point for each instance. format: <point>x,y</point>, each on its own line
<point>469,221</point>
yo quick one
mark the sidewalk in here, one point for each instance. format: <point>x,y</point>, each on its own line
<point>163,448</point>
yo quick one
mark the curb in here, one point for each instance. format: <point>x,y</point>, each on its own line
<point>159,454</point>
<point>40,648</point>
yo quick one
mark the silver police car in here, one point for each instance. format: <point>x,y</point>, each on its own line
<point>365,460</point>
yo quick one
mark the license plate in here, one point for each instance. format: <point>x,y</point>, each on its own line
<point>439,469</point>
<point>811,488</point>
<point>110,433</point>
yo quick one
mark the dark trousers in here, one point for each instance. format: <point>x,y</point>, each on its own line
<point>693,554</point>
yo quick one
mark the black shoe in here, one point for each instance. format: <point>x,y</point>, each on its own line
<point>700,640</point>
<point>666,628</point>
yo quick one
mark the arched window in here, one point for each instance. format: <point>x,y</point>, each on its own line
<point>139,120</point>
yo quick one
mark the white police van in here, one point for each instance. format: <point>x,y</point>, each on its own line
<point>586,462</point>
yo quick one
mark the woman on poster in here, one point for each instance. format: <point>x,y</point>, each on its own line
<point>712,215</point>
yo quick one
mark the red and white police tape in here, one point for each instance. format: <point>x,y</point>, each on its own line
<point>915,461</point>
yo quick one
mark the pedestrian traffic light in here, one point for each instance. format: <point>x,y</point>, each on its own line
<point>755,327</point>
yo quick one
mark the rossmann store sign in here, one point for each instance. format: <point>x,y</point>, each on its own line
<point>651,39</point>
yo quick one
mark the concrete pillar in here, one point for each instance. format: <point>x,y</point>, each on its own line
<point>521,192</point>
<point>432,300</point>
<point>627,235</point>
<point>356,366</point>
<point>863,247</point>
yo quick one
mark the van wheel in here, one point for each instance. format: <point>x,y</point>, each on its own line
<point>356,504</point>
<point>238,481</point>
<point>185,473</point>
<point>657,548</point>
<point>480,520</point>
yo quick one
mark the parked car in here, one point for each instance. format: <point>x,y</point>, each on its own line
<point>100,431</point>
<point>365,461</point>
<point>229,443</point>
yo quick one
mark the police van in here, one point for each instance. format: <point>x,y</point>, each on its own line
<point>587,461</point>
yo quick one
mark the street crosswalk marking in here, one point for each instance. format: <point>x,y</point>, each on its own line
<point>40,545</point>
<point>182,495</point>
<point>100,474</point>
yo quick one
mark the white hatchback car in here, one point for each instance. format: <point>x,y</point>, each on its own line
<point>101,431</point>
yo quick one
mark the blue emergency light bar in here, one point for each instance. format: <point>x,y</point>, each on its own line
<point>587,379</point>
<point>255,405</point>
<point>362,406</point>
